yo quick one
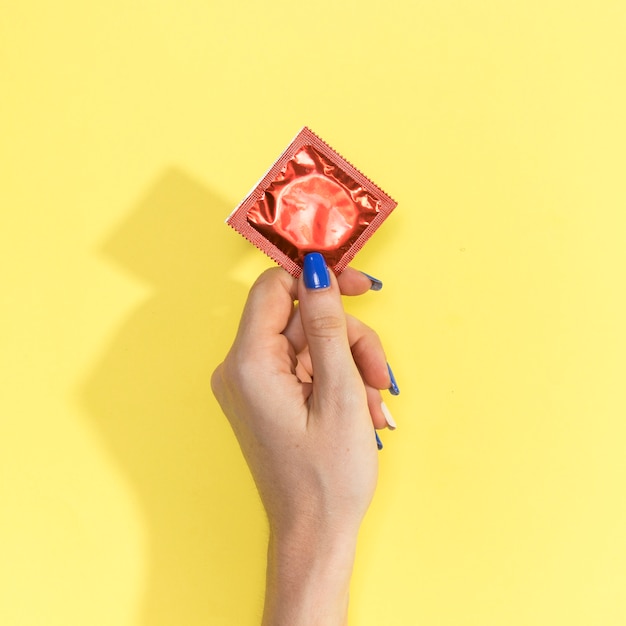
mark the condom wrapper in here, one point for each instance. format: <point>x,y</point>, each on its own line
<point>311,200</point>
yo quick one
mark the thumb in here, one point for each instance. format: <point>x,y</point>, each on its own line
<point>324,325</point>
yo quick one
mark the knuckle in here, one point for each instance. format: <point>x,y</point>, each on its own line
<point>231,370</point>
<point>217,381</point>
<point>263,278</point>
<point>270,275</point>
<point>374,336</point>
<point>325,325</point>
<point>240,369</point>
<point>362,329</point>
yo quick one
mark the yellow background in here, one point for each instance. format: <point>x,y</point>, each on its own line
<point>128,132</point>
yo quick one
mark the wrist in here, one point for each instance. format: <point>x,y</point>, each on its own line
<point>308,576</point>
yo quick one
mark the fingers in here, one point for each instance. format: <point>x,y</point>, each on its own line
<point>370,358</point>
<point>367,349</point>
<point>381,417</point>
<point>354,283</point>
<point>336,346</point>
<point>368,353</point>
<point>270,301</point>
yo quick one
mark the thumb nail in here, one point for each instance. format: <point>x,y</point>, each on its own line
<point>315,271</point>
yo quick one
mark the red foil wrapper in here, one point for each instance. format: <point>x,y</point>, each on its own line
<point>311,199</point>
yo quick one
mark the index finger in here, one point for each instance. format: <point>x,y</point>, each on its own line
<point>269,306</point>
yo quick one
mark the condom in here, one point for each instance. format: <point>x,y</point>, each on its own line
<point>311,200</point>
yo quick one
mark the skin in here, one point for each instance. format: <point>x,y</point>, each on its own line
<point>301,390</point>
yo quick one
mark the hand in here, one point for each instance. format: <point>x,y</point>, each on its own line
<point>309,442</point>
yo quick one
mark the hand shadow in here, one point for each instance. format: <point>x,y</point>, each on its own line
<point>149,397</point>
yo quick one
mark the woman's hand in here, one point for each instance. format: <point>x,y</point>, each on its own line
<point>300,387</point>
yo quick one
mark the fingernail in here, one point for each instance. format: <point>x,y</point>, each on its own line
<point>388,417</point>
<point>379,443</point>
<point>316,274</point>
<point>394,390</point>
<point>377,285</point>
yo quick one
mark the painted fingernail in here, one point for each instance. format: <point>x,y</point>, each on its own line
<point>388,417</point>
<point>315,271</point>
<point>394,390</point>
<point>379,443</point>
<point>377,285</point>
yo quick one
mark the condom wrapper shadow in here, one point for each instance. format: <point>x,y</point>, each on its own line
<point>311,200</point>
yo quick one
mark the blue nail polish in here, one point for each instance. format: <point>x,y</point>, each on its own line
<point>377,285</point>
<point>315,271</point>
<point>379,443</point>
<point>394,390</point>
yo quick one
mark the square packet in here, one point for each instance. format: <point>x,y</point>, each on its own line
<point>311,200</point>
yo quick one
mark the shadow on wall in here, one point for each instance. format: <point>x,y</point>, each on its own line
<point>149,397</point>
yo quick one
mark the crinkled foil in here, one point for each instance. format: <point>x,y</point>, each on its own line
<point>313,205</point>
